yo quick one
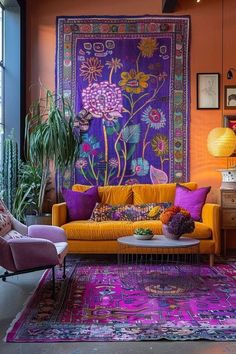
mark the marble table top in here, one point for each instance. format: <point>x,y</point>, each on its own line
<point>159,241</point>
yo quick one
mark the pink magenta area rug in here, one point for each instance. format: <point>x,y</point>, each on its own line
<point>94,303</point>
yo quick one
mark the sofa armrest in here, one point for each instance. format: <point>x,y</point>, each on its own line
<point>211,218</point>
<point>59,214</point>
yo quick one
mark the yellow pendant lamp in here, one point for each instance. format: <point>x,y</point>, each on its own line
<point>221,142</point>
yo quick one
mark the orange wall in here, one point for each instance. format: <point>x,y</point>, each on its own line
<point>206,56</point>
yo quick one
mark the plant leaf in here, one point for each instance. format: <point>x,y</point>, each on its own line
<point>131,134</point>
<point>158,176</point>
<point>130,151</point>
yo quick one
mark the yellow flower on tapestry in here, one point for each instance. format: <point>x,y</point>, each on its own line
<point>91,69</point>
<point>114,64</point>
<point>147,46</point>
<point>134,82</point>
<point>160,145</point>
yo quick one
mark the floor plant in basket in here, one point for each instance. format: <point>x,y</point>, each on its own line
<point>51,144</point>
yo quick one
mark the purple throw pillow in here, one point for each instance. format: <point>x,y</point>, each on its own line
<point>192,201</point>
<point>80,205</point>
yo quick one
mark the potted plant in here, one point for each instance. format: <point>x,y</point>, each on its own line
<point>143,234</point>
<point>9,171</point>
<point>27,192</point>
<point>50,143</point>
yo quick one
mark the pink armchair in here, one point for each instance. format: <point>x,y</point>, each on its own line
<point>41,247</point>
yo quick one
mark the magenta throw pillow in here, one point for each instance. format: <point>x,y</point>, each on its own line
<point>80,205</point>
<point>192,201</point>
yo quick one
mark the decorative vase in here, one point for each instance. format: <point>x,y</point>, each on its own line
<point>168,234</point>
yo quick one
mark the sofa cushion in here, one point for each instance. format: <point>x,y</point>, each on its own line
<point>192,201</point>
<point>80,204</point>
<point>97,231</point>
<point>128,212</point>
<point>156,193</point>
<point>113,195</point>
<point>110,230</point>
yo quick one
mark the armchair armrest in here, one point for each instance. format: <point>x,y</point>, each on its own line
<point>31,253</point>
<point>59,214</point>
<point>211,217</point>
<point>47,232</point>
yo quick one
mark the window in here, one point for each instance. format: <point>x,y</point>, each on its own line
<point>1,81</point>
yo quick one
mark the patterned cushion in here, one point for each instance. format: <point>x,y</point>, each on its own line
<point>129,212</point>
<point>5,220</point>
<point>13,234</point>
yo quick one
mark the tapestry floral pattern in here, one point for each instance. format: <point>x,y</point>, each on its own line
<point>128,81</point>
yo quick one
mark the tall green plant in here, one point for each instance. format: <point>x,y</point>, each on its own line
<point>49,137</point>
<point>27,193</point>
<point>9,171</point>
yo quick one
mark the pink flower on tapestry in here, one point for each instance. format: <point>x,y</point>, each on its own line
<point>103,100</point>
<point>154,117</point>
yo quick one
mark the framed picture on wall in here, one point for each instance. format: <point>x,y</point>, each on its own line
<point>208,90</point>
<point>230,97</point>
<point>230,122</point>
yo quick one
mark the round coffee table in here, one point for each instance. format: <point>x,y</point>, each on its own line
<point>157,265</point>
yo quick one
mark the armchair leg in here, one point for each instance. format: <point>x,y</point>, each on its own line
<point>212,259</point>
<point>53,282</point>
<point>5,273</point>
<point>64,268</point>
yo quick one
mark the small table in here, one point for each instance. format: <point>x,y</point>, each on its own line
<point>145,262</point>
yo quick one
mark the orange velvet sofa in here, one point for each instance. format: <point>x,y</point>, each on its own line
<point>86,236</point>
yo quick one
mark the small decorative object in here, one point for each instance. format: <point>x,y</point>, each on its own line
<point>230,97</point>
<point>143,234</point>
<point>176,222</point>
<point>208,91</point>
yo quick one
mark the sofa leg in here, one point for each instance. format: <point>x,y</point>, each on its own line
<point>212,259</point>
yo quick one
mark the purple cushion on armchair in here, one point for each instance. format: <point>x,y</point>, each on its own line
<point>192,201</point>
<point>80,205</point>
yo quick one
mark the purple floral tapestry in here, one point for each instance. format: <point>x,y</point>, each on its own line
<point>128,81</point>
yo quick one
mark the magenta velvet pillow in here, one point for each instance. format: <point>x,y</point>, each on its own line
<point>192,201</point>
<point>80,205</point>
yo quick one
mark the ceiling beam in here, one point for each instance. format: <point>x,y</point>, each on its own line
<point>168,6</point>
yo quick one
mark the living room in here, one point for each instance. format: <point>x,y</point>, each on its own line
<point>188,70</point>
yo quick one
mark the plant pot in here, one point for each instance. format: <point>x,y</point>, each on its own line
<point>44,219</point>
<point>168,234</point>
<point>143,237</point>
